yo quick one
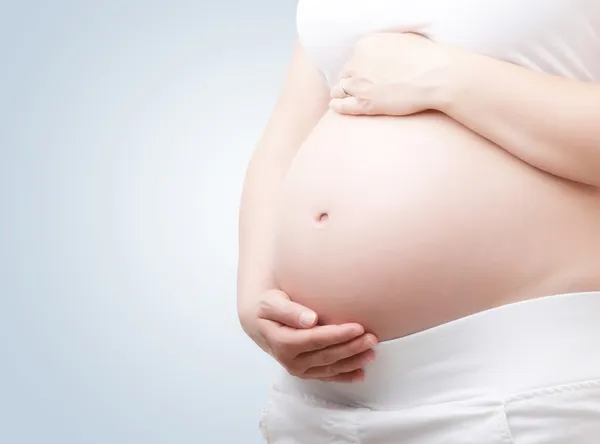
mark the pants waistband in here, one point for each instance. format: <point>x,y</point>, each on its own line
<point>516,347</point>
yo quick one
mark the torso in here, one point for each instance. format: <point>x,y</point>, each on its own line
<point>426,221</point>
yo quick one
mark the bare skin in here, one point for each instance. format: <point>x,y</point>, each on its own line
<point>413,203</point>
<point>426,223</point>
<point>266,314</point>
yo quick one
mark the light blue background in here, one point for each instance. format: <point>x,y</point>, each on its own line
<point>125,129</point>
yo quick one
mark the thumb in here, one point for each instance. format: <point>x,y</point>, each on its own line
<point>277,306</point>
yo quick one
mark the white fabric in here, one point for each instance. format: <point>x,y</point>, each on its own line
<point>556,36</point>
<point>524,373</point>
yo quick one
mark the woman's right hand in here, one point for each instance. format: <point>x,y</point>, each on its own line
<point>289,332</point>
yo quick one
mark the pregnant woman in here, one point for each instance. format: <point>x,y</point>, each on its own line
<point>420,225</point>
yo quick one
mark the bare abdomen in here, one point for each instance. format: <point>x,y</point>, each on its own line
<point>405,223</point>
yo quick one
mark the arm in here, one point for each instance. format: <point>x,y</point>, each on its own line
<point>302,102</point>
<point>267,316</point>
<point>549,122</point>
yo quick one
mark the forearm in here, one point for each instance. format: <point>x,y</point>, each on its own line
<point>301,104</point>
<point>549,122</point>
<point>256,225</point>
<point>264,176</point>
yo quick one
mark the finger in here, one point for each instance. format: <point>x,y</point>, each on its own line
<point>353,376</point>
<point>335,353</point>
<point>350,105</point>
<point>342,89</point>
<point>319,337</point>
<point>344,366</point>
<point>277,306</point>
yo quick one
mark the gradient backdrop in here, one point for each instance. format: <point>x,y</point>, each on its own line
<point>126,126</point>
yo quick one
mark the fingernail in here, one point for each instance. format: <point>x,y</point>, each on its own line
<point>307,318</point>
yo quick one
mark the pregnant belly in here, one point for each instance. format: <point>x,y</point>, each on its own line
<point>405,223</point>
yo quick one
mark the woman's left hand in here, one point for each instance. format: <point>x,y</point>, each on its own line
<point>393,74</point>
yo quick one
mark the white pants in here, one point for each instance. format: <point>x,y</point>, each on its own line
<point>524,373</point>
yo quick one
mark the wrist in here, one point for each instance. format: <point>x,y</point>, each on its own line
<point>449,82</point>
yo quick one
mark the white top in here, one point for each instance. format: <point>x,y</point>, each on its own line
<point>556,36</point>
